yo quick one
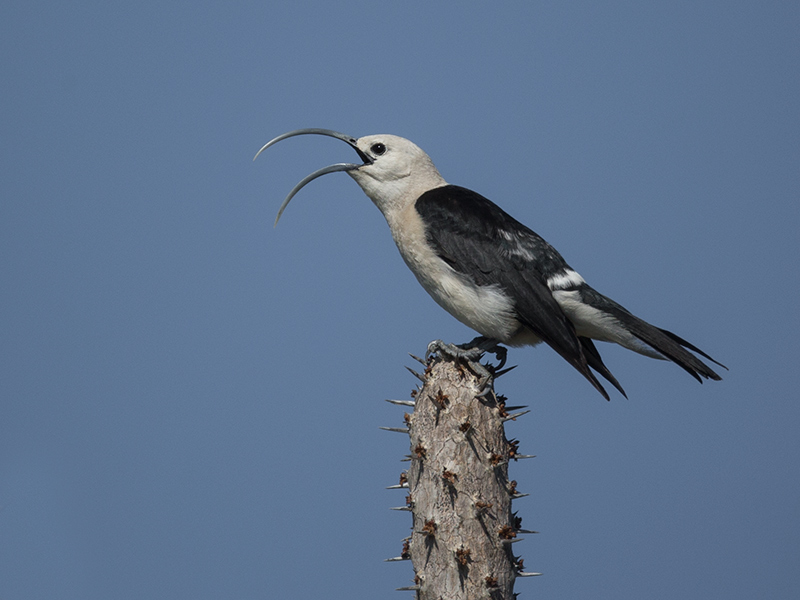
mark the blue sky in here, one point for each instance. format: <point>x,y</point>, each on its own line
<point>190,399</point>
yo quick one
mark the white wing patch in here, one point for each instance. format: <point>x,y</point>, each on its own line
<point>517,248</point>
<point>564,280</point>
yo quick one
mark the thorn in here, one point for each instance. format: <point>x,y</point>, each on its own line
<point>429,528</point>
<point>517,456</point>
<point>399,486</point>
<point>406,459</point>
<point>522,574</point>
<point>441,400</point>
<point>463,556</point>
<point>516,496</point>
<point>415,374</point>
<point>526,531</point>
<point>397,429</point>
<point>517,407</point>
<point>449,477</point>
<point>402,402</point>
<point>515,415</point>
<point>395,559</point>
<point>486,389</point>
<point>514,541</point>
<point>506,532</point>
<point>405,553</point>
<point>408,508</point>
<point>410,588</point>
<point>496,460</point>
<point>504,371</point>
<point>418,359</point>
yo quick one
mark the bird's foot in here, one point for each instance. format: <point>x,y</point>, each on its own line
<point>493,346</point>
<point>471,353</point>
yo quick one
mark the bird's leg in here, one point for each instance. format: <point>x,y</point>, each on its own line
<point>489,345</point>
<point>471,354</point>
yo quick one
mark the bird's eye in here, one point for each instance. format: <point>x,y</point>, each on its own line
<point>378,149</point>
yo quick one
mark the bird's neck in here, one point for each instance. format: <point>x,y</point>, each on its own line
<point>395,196</point>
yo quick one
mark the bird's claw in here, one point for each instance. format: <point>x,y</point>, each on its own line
<point>471,353</point>
<point>501,354</point>
<point>463,352</point>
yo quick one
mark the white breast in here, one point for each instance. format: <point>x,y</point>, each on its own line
<point>487,309</point>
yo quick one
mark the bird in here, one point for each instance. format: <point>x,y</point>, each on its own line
<point>490,271</point>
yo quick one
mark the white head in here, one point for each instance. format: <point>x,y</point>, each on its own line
<point>399,171</point>
<point>394,172</point>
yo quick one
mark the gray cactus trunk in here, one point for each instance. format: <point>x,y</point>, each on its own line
<point>464,531</point>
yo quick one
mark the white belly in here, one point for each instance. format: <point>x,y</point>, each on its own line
<point>487,310</point>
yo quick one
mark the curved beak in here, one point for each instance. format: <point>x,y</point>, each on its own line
<point>351,141</point>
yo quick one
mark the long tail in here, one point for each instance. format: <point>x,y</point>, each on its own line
<point>698,365</point>
<point>664,342</point>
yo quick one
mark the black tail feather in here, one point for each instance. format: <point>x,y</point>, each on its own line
<point>582,361</point>
<point>582,364</point>
<point>672,347</point>
<point>666,343</point>
<point>571,349</point>
<point>691,347</point>
<point>596,362</point>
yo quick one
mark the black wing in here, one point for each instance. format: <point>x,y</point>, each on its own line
<point>477,238</point>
